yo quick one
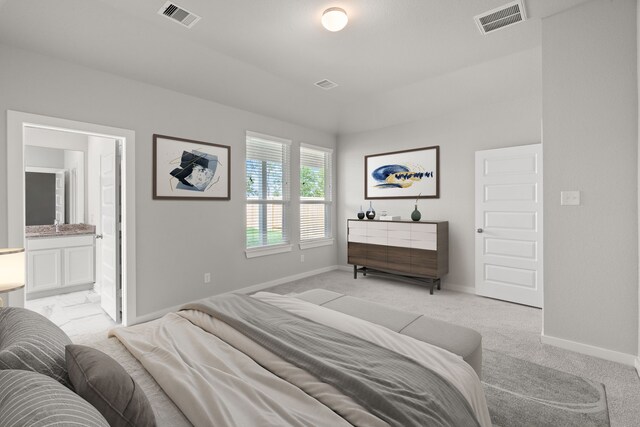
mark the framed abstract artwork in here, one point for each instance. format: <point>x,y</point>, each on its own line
<point>188,169</point>
<point>407,174</point>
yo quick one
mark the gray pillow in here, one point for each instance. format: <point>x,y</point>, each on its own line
<point>31,342</point>
<point>30,399</point>
<point>106,385</point>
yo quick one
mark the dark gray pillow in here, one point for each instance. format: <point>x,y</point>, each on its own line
<point>31,342</point>
<point>30,399</point>
<point>106,385</point>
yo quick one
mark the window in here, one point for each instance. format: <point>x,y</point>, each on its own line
<point>267,169</point>
<point>315,195</point>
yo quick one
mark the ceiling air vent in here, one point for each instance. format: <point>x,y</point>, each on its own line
<point>504,16</point>
<point>326,84</point>
<point>179,14</point>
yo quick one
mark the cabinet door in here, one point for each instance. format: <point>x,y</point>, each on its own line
<point>377,256</point>
<point>357,253</point>
<point>44,270</point>
<point>399,259</point>
<point>424,263</point>
<point>79,265</point>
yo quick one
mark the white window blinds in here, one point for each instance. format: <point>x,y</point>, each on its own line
<point>267,190</point>
<point>315,192</point>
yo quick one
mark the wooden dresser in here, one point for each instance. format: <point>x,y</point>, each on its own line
<point>417,250</point>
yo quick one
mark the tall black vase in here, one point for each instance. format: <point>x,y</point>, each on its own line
<point>371,213</point>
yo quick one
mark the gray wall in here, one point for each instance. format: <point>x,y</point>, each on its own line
<point>177,241</point>
<point>591,144</point>
<point>459,136</point>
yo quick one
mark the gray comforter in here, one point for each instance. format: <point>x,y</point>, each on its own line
<point>392,386</point>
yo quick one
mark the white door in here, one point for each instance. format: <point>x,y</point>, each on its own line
<point>109,246</point>
<point>509,224</point>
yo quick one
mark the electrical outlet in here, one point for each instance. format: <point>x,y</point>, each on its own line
<point>570,198</point>
<point>302,258</point>
<point>207,277</point>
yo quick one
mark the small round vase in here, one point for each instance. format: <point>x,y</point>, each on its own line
<point>371,213</point>
<point>416,215</point>
<point>361,213</point>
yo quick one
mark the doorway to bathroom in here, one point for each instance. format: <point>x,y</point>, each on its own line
<point>80,258</point>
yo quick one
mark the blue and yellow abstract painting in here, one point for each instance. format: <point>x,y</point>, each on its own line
<point>403,174</point>
<point>399,176</point>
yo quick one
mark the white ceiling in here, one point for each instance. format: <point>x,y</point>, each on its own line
<point>397,60</point>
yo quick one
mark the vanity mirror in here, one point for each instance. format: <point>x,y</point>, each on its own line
<point>54,186</point>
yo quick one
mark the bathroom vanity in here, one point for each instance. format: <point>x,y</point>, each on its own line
<point>59,261</point>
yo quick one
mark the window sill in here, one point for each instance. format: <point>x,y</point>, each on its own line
<point>316,243</point>
<point>267,250</point>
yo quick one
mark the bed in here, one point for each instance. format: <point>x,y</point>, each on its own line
<point>235,360</point>
<point>211,371</point>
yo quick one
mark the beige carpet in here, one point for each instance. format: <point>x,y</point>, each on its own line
<point>511,329</point>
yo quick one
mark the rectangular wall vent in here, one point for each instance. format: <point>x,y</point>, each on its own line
<point>501,17</point>
<point>179,14</point>
<point>326,84</point>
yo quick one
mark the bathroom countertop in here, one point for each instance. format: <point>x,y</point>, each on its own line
<point>64,230</point>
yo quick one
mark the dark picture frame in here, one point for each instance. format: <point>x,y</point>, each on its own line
<point>186,169</point>
<point>406,174</point>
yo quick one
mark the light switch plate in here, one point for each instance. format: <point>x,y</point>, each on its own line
<point>570,198</point>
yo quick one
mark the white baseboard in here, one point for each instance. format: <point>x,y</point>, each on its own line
<point>249,289</point>
<point>152,316</point>
<point>590,350</point>
<point>280,281</point>
<point>637,363</point>
<point>459,288</point>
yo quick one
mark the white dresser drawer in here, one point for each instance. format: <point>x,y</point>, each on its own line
<point>377,225</point>
<point>424,237</point>
<point>357,224</point>
<point>357,238</point>
<point>424,228</point>
<point>399,234</point>
<point>374,232</point>
<point>357,231</point>
<point>399,226</point>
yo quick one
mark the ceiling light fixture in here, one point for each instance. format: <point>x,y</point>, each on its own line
<point>334,19</point>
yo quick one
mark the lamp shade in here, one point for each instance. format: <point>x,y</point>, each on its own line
<point>11,268</point>
<point>334,19</point>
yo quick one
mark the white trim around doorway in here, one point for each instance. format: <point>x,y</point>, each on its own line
<point>16,122</point>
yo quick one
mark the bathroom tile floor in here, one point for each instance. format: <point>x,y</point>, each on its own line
<point>77,313</point>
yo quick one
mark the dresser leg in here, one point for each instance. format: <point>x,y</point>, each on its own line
<point>364,271</point>
<point>355,271</point>
<point>431,289</point>
<point>438,284</point>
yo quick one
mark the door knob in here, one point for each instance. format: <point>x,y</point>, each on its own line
<point>98,236</point>
<point>479,230</point>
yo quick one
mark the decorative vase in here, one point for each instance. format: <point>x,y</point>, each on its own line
<point>371,213</point>
<point>361,213</point>
<point>416,215</point>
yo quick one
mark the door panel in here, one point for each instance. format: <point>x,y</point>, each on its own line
<point>43,270</point>
<point>110,297</point>
<point>509,224</point>
<point>78,264</point>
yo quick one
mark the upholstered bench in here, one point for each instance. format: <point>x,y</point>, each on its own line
<point>459,340</point>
